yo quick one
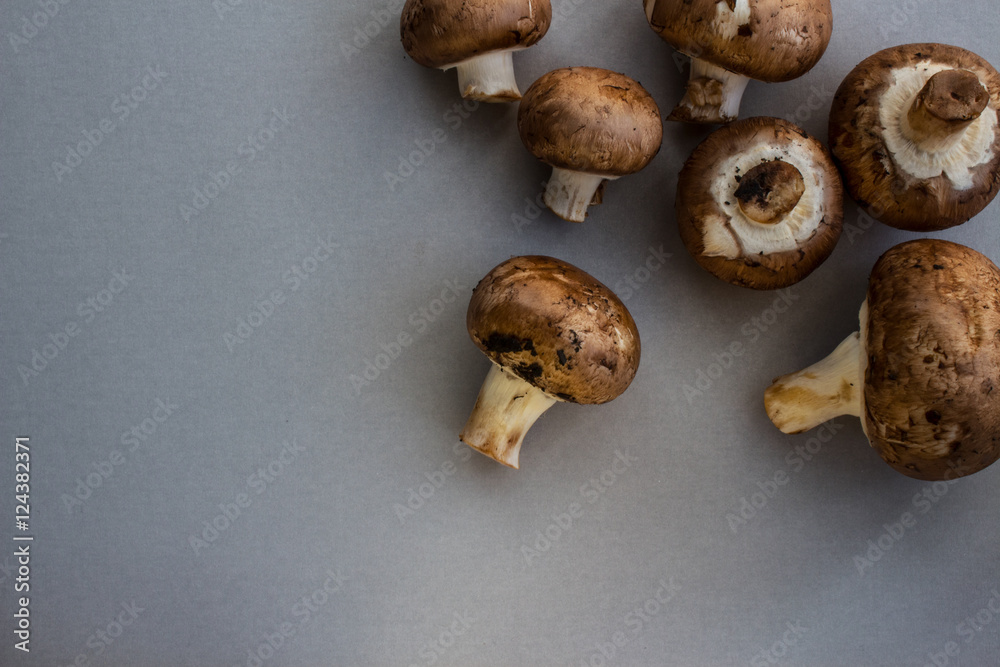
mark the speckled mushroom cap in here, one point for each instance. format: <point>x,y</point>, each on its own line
<point>932,384</point>
<point>935,193</point>
<point>441,33</point>
<point>731,245</point>
<point>590,120</point>
<point>556,327</point>
<point>767,40</point>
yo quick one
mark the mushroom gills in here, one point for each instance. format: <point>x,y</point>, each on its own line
<point>831,387</point>
<point>488,77</point>
<point>568,193</point>
<point>713,94</point>
<point>506,408</point>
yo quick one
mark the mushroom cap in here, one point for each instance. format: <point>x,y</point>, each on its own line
<point>443,33</point>
<point>735,248</point>
<point>941,195</point>
<point>557,327</point>
<point>590,120</point>
<point>932,383</point>
<point>767,40</point>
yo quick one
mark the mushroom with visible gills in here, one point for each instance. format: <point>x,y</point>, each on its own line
<point>553,333</point>
<point>590,125</point>
<point>759,203</point>
<point>914,131</point>
<point>923,372</point>
<point>733,41</point>
<point>477,38</point>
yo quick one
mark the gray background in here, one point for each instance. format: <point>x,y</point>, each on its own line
<point>467,577</point>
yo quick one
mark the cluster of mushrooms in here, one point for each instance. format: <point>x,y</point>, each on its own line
<point>913,139</point>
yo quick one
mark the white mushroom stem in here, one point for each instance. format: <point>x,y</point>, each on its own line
<point>488,77</point>
<point>506,408</point>
<point>713,94</point>
<point>829,388</point>
<point>568,193</point>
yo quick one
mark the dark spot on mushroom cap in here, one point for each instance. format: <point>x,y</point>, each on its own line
<point>505,343</point>
<point>529,372</point>
<point>933,416</point>
<point>562,357</point>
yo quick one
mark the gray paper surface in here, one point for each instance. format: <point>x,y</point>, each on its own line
<point>238,351</point>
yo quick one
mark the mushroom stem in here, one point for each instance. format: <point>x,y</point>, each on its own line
<point>568,193</point>
<point>769,191</point>
<point>947,104</point>
<point>829,388</point>
<point>506,408</point>
<point>713,95</point>
<point>489,77</point>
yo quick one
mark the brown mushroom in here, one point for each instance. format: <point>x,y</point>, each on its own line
<point>923,372</point>
<point>733,41</point>
<point>914,131</point>
<point>590,125</point>
<point>477,37</point>
<point>759,203</point>
<point>553,333</point>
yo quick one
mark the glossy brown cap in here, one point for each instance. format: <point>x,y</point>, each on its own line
<point>932,385</point>
<point>874,176</point>
<point>711,192</point>
<point>590,120</point>
<point>780,40</point>
<point>441,33</point>
<point>556,327</point>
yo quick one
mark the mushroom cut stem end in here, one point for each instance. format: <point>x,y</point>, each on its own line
<point>769,191</point>
<point>569,193</point>
<point>713,95</point>
<point>829,388</point>
<point>489,77</point>
<point>506,408</point>
<point>947,104</point>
